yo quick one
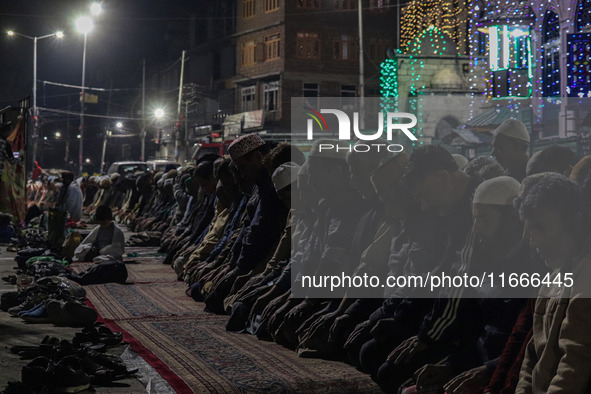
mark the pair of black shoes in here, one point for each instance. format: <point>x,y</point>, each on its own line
<point>60,366</point>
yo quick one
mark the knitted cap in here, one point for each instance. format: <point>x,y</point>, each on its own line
<point>244,145</point>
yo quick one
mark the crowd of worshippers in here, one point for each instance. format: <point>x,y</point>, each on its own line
<point>237,229</point>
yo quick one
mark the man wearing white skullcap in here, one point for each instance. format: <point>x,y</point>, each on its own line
<point>495,246</point>
<point>491,198</point>
<point>283,177</point>
<point>510,147</point>
<point>263,223</point>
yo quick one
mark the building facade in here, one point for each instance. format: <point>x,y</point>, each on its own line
<point>304,48</point>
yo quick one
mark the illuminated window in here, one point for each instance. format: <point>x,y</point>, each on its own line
<point>247,8</point>
<point>551,55</point>
<point>247,53</point>
<point>308,46</point>
<point>271,5</point>
<point>579,65</point>
<point>510,47</point>
<point>583,16</point>
<point>272,47</point>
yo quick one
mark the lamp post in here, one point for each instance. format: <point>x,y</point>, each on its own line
<point>84,25</point>
<point>57,34</point>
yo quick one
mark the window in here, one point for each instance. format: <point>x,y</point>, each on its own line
<point>345,4</point>
<point>271,91</point>
<point>248,98</point>
<point>247,8</point>
<point>308,3</point>
<point>308,46</point>
<point>578,65</point>
<point>509,47</point>
<point>343,48</point>
<point>247,53</point>
<point>310,90</point>
<point>271,5</point>
<point>583,16</point>
<point>348,90</point>
<point>272,47</point>
<point>551,55</point>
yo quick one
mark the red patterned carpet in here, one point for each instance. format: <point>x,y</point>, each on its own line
<point>192,350</point>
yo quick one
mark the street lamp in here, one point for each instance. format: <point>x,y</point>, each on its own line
<point>96,9</point>
<point>84,25</point>
<point>57,34</point>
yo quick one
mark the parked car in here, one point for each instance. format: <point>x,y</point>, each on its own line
<point>127,167</point>
<point>160,165</point>
<point>218,148</point>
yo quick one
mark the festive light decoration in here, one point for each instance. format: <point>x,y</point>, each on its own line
<point>449,16</point>
<point>583,15</point>
<point>432,41</point>
<point>579,63</point>
<point>389,85</point>
<point>509,26</point>
<point>551,54</point>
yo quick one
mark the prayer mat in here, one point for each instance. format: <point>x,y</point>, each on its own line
<point>192,350</point>
<point>114,301</point>
<point>147,269</point>
<point>206,358</point>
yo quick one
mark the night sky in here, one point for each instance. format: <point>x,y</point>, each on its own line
<point>125,33</point>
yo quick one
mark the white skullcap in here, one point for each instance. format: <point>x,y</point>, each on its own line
<point>460,160</point>
<point>501,190</point>
<point>330,149</point>
<point>513,128</point>
<point>285,175</point>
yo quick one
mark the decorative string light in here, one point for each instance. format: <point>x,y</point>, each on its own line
<point>449,16</point>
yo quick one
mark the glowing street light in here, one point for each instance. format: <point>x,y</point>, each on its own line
<point>58,134</point>
<point>57,34</point>
<point>119,125</point>
<point>96,9</point>
<point>84,24</point>
<point>159,113</point>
